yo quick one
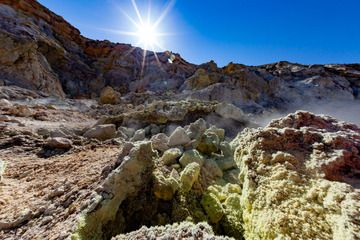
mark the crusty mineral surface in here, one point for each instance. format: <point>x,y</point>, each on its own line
<point>300,179</point>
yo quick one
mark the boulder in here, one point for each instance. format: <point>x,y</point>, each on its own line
<point>129,132</point>
<point>139,135</point>
<point>230,111</point>
<point>59,143</point>
<point>20,111</point>
<point>170,156</point>
<point>159,142</point>
<point>300,170</point>
<point>208,143</point>
<point>109,96</point>
<point>101,132</point>
<point>197,128</point>
<point>164,187</point>
<point>191,156</point>
<point>212,207</point>
<point>183,230</point>
<point>189,176</point>
<point>4,103</point>
<point>178,138</point>
<point>200,80</point>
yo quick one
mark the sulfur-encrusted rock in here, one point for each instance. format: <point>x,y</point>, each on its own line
<point>101,132</point>
<point>208,143</point>
<point>191,156</point>
<point>178,138</point>
<point>213,207</point>
<point>189,176</point>
<point>170,156</point>
<point>164,187</point>
<point>183,230</point>
<point>125,181</point>
<point>300,170</point>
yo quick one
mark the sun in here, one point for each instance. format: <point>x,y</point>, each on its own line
<point>147,35</point>
<point>145,30</point>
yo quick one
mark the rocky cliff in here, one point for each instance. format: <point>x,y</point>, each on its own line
<point>41,51</point>
<point>95,145</point>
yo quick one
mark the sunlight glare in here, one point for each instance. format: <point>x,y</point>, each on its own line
<point>147,35</point>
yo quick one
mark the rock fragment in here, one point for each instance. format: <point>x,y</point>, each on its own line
<point>101,132</point>
<point>178,138</point>
<point>59,143</point>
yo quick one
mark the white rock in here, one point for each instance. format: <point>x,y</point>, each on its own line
<point>5,103</point>
<point>101,132</point>
<point>230,111</point>
<point>178,138</point>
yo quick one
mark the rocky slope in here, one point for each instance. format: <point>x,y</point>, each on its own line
<point>94,146</point>
<point>41,51</point>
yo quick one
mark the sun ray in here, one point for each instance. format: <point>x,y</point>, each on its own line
<point>149,13</point>
<point>137,11</point>
<point>143,63</point>
<point>130,19</point>
<point>164,13</point>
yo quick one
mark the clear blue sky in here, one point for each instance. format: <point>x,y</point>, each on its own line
<point>252,32</point>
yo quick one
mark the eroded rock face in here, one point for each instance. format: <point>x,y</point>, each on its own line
<point>41,51</point>
<point>301,170</point>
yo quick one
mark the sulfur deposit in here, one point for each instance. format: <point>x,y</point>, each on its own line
<point>300,179</point>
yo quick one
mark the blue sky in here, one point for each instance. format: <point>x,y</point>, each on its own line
<point>251,32</point>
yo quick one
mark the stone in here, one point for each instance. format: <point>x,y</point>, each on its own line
<point>59,143</point>
<point>191,156</point>
<point>164,187</point>
<point>171,156</point>
<point>217,131</point>
<point>20,111</point>
<point>208,143</point>
<point>129,132</point>
<point>226,163</point>
<point>159,142</point>
<point>199,80</point>
<point>4,103</point>
<point>109,96</point>
<point>101,132</point>
<point>213,207</point>
<point>183,230</point>
<point>226,149</point>
<point>178,138</point>
<point>212,169</point>
<point>189,176</point>
<point>197,128</point>
<point>230,111</point>
<point>2,169</point>
<point>139,135</point>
